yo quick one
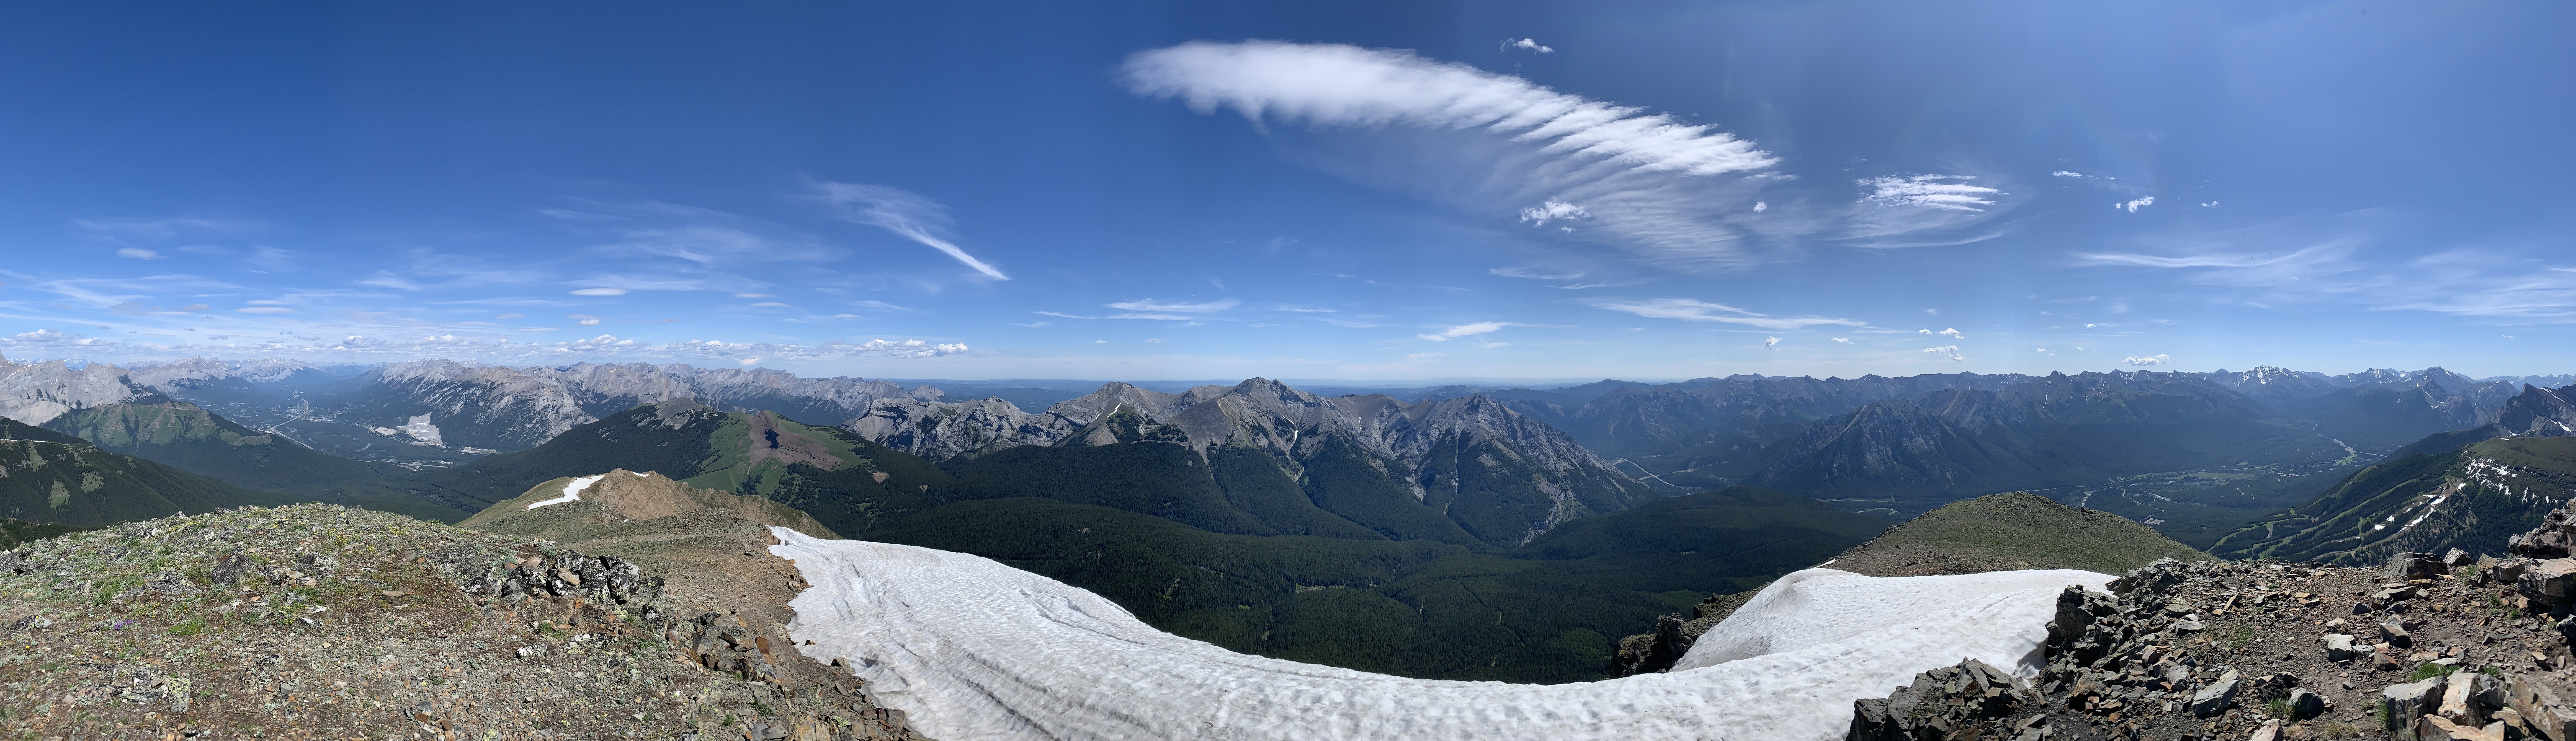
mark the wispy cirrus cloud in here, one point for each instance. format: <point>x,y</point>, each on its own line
<point>1468,330</point>
<point>1202,307</point>
<point>1938,192</point>
<point>1648,182</point>
<point>903,212</point>
<point>1694,310</point>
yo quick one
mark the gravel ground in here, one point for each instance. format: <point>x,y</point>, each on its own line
<point>2226,650</point>
<point>318,621</point>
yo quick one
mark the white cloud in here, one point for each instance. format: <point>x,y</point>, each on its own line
<point>599,292</point>
<point>2214,260</point>
<point>2156,359</point>
<point>2067,174</point>
<point>1770,342</point>
<point>1129,315</point>
<point>1032,325</point>
<point>1540,214</point>
<point>264,310</point>
<point>703,236</point>
<point>1948,351</point>
<point>1535,273</point>
<point>1526,45</point>
<point>2137,203</point>
<point>2211,204</point>
<point>1641,177</point>
<point>1952,334</point>
<point>590,322</point>
<point>1693,310</point>
<point>386,279</point>
<point>1173,306</point>
<point>1465,330</point>
<point>1761,206</point>
<point>902,212</point>
<point>1844,340</point>
<point>755,295</point>
<point>1153,339</point>
<point>154,230</point>
<point>772,304</point>
<point>1341,85</point>
<point>1928,191</point>
<point>138,253</point>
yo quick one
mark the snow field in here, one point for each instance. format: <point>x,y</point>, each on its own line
<point>571,492</point>
<point>971,649</point>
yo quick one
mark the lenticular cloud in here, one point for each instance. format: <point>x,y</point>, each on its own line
<point>1342,85</point>
<point>970,648</point>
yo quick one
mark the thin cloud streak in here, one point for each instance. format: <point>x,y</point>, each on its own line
<point>902,212</point>
<point>1693,310</point>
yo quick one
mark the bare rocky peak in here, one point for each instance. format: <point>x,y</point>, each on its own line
<point>1259,412</point>
<point>2538,412</point>
<point>35,393</point>
<point>526,406</point>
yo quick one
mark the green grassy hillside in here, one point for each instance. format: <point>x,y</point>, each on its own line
<point>47,476</point>
<point>2470,497</point>
<point>2012,531</point>
<point>198,441</point>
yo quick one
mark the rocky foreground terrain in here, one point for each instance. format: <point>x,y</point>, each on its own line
<point>318,621</point>
<point>2445,647</point>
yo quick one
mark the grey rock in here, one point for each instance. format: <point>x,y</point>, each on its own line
<point>230,570</point>
<point>2217,697</point>
<point>2401,704</point>
<point>2305,705</point>
<point>172,584</point>
<point>2394,634</point>
<point>2339,647</point>
<point>2416,566</point>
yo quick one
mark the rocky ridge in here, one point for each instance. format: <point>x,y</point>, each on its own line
<point>316,621</point>
<point>1526,477</point>
<point>34,393</point>
<point>2426,647</point>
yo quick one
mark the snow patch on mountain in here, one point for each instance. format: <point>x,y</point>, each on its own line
<point>970,648</point>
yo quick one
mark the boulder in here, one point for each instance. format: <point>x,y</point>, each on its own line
<point>2550,540</point>
<point>2457,558</point>
<point>2438,728</point>
<point>2394,633</point>
<point>2339,647</point>
<point>2470,699</point>
<point>2416,566</point>
<point>2551,581</point>
<point>2217,697</point>
<point>2506,571</point>
<point>2401,704</point>
<point>1945,702</point>
<point>2540,707</point>
<point>2305,705</point>
<point>2271,731</point>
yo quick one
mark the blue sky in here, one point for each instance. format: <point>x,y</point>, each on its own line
<point>1366,191</point>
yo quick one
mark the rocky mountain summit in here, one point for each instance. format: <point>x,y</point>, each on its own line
<point>35,392</point>
<point>1510,475</point>
<point>316,621</point>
